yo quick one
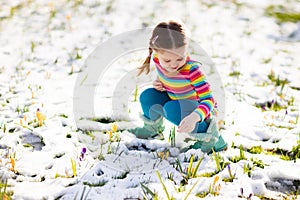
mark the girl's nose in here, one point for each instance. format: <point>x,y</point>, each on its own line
<point>173,65</point>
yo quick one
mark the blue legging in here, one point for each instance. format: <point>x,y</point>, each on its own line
<point>155,104</point>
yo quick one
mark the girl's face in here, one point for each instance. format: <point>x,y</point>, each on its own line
<point>172,59</point>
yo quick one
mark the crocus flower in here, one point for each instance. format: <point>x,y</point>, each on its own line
<point>12,161</point>
<point>272,103</point>
<point>40,117</point>
<point>114,128</point>
<point>216,180</point>
<point>83,151</point>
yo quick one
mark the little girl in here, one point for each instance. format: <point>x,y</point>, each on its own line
<point>180,92</point>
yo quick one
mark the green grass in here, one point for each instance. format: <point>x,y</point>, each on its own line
<point>190,171</point>
<point>122,175</point>
<point>74,168</point>
<point>236,159</point>
<point>248,169</point>
<point>104,120</point>
<point>99,184</point>
<point>220,165</point>
<point>255,150</point>
<point>231,176</point>
<point>78,56</point>
<point>294,154</point>
<point>217,159</point>
<point>271,105</point>
<point>214,189</point>
<point>136,93</point>
<point>266,60</point>
<point>208,174</point>
<point>3,191</point>
<point>21,110</point>
<point>172,137</point>
<point>235,73</point>
<point>202,194</point>
<point>147,190</point>
<point>229,179</point>
<point>90,133</point>
<point>277,80</point>
<point>293,195</point>
<point>63,115</point>
<point>164,186</point>
<point>280,83</point>
<point>282,14</point>
<point>258,163</point>
<point>27,145</point>
<point>77,3</point>
<point>32,46</point>
<point>101,156</point>
<point>13,10</point>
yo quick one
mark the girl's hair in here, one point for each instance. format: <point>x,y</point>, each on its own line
<point>166,35</point>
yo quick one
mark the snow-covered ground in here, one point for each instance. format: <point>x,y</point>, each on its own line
<point>65,150</point>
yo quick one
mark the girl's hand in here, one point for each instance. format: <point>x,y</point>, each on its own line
<point>187,124</point>
<point>158,85</point>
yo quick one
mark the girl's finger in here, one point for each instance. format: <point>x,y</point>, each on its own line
<point>161,88</point>
<point>180,127</point>
<point>182,130</point>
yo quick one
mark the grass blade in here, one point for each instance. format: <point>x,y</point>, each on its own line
<point>217,161</point>
<point>145,188</point>
<point>190,167</point>
<point>164,187</point>
<point>196,168</point>
<point>179,165</point>
<point>188,194</point>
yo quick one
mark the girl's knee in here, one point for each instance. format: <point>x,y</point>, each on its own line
<point>152,95</point>
<point>172,112</point>
<point>146,94</point>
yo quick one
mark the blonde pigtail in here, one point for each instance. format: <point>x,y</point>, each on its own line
<point>146,65</point>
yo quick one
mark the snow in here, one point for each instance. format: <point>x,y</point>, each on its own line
<point>76,62</point>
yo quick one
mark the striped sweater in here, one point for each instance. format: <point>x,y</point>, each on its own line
<point>189,83</point>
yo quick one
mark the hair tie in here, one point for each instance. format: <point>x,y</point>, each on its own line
<point>154,39</point>
<point>150,52</point>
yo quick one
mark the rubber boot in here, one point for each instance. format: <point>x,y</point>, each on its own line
<point>211,140</point>
<point>151,129</point>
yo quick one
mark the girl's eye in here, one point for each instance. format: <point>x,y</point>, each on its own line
<point>180,59</point>
<point>167,61</point>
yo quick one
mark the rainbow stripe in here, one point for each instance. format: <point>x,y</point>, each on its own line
<point>189,83</point>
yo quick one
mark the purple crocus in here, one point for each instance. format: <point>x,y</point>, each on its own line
<point>83,151</point>
<point>272,104</point>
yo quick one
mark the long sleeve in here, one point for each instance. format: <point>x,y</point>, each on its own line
<point>203,91</point>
